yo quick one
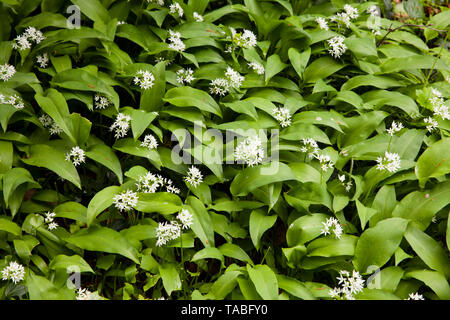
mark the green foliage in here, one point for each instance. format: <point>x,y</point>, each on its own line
<point>239,150</point>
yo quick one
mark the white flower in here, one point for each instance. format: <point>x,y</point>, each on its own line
<point>14,101</point>
<point>42,60</point>
<point>160,2</point>
<point>101,102</point>
<point>171,188</point>
<point>194,176</point>
<point>149,183</point>
<point>198,17</point>
<point>390,162</point>
<point>120,23</point>
<point>349,285</point>
<point>322,23</point>
<point>52,226</point>
<point>175,41</point>
<point>45,120</point>
<point>439,107</point>
<point>375,30</point>
<point>310,147</point>
<point>395,127</point>
<point>325,161</point>
<point>415,296</point>
<point>373,10</point>
<point>55,129</point>
<point>49,216</point>
<point>250,151</point>
<point>219,86</point>
<point>144,79</point>
<point>351,11</point>
<point>283,115</point>
<point>176,8</point>
<point>76,155</point>
<point>185,76</point>
<point>121,125</point>
<point>341,178</point>
<point>341,18</point>
<point>234,78</point>
<point>167,232</point>
<point>259,69</point>
<point>7,71</point>
<point>186,218</point>
<point>334,225</point>
<point>149,142</point>
<point>30,34</point>
<point>85,294</point>
<point>337,46</point>
<point>432,124</point>
<point>246,39</point>
<point>126,200</point>
<point>14,271</point>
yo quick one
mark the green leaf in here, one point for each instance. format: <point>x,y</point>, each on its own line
<point>73,263</point>
<point>208,253</point>
<point>376,245</point>
<point>102,200</point>
<point>428,250</point>
<point>264,280</point>
<point>364,213</point>
<point>224,285</point>
<point>10,226</point>
<point>6,156</point>
<point>103,239</point>
<point>202,223</point>
<point>331,247</point>
<point>294,287</point>
<point>42,155</point>
<point>170,277</point>
<point>234,251</point>
<point>106,156</point>
<point>321,68</point>
<point>40,288</point>
<point>161,202</point>
<point>434,161</point>
<point>298,60</point>
<point>151,99</point>
<point>13,179</point>
<point>382,82</point>
<point>305,229</point>
<point>258,224</point>
<point>140,120</point>
<point>274,65</point>
<point>413,62</point>
<point>435,280</point>
<point>252,178</point>
<point>191,97</point>
<point>93,9</point>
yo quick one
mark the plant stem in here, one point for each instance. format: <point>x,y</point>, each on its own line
<point>435,61</point>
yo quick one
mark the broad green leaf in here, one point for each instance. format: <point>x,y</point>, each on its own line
<point>294,287</point>
<point>413,62</point>
<point>376,245</point>
<point>258,224</point>
<point>13,179</point>
<point>140,120</point>
<point>106,156</point>
<point>434,161</point>
<point>428,250</point>
<point>170,277</point>
<point>364,213</point>
<point>6,156</point>
<point>93,9</point>
<point>264,280</point>
<point>331,247</point>
<point>73,263</point>
<point>42,155</point>
<point>224,285</point>
<point>274,65</point>
<point>321,68</point>
<point>161,202</point>
<point>72,210</point>
<point>381,82</point>
<point>435,280</point>
<point>190,97</point>
<point>102,200</point>
<point>305,229</point>
<point>151,99</point>
<point>103,239</point>
<point>234,251</point>
<point>40,288</point>
<point>299,60</point>
<point>208,253</point>
<point>10,226</point>
<point>252,178</point>
<point>202,223</point>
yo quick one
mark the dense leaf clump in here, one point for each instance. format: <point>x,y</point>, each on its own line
<point>209,149</point>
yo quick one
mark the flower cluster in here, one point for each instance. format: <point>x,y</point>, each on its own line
<point>126,200</point>
<point>42,60</point>
<point>175,41</point>
<point>50,220</point>
<point>14,271</point>
<point>144,79</point>
<point>432,124</point>
<point>246,39</point>
<point>14,101</point>
<point>219,86</point>
<point>176,8</point>
<point>167,232</point>
<point>76,155</point>
<point>322,23</point>
<point>439,107</point>
<point>395,127</point>
<point>325,161</point>
<point>390,162</point>
<point>47,122</point>
<point>149,183</point>
<point>7,71</point>
<point>185,75</point>
<point>310,147</point>
<point>415,296</point>
<point>186,218</point>
<point>234,78</point>
<point>121,125</point>
<point>197,17</point>
<point>250,151</point>
<point>333,225</point>
<point>347,185</point>
<point>85,294</point>
<point>337,45</point>
<point>194,176</point>
<point>24,41</point>
<point>283,115</point>
<point>160,2</point>
<point>351,11</point>
<point>374,11</point>
<point>101,102</point>
<point>258,68</point>
<point>149,142</point>
<point>349,285</point>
